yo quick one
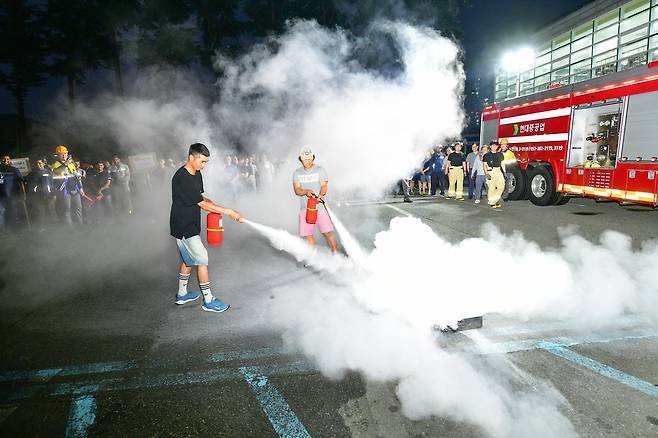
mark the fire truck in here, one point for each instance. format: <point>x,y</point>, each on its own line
<point>597,138</point>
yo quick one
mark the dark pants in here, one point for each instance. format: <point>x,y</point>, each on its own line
<point>471,186</point>
<point>8,211</point>
<point>122,200</point>
<point>68,207</point>
<point>438,180</point>
<point>39,209</point>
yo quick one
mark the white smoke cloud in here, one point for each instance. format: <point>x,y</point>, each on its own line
<point>376,320</point>
<point>367,129</point>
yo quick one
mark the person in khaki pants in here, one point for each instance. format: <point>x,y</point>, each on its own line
<point>494,168</point>
<point>457,169</point>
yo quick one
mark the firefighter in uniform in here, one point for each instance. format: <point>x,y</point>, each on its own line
<point>67,187</point>
<point>457,164</point>
<point>494,167</point>
<point>509,159</point>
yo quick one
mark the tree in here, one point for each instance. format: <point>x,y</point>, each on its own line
<point>78,40</point>
<point>22,55</point>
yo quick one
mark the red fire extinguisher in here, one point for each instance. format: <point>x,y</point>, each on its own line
<point>215,229</point>
<point>312,210</point>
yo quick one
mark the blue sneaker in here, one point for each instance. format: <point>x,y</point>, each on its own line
<point>190,296</point>
<point>216,306</point>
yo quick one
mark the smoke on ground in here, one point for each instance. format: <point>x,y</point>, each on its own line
<point>375,319</point>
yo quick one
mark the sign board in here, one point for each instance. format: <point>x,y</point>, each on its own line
<point>22,164</point>
<point>143,162</point>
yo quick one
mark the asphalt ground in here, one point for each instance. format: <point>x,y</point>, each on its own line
<point>92,344</point>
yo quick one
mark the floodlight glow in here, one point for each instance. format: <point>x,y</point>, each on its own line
<point>518,60</point>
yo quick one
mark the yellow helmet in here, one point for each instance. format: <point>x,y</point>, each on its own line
<point>61,149</point>
<point>503,141</point>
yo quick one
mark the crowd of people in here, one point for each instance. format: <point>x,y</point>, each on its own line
<point>446,169</point>
<point>65,191</point>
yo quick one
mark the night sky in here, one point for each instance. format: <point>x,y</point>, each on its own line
<point>488,27</point>
<point>492,27</point>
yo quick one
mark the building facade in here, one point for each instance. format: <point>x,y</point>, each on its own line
<point>603,37</point>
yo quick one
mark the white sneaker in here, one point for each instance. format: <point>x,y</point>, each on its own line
<point>477,201</point>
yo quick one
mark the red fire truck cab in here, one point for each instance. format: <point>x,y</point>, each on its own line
<point>597,138</point>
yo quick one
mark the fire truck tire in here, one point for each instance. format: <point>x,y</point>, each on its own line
<point>562,199</point>
<point>541,186</point>
<point>517,183</point>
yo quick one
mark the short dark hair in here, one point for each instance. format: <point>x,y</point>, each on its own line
<point>199,149</point>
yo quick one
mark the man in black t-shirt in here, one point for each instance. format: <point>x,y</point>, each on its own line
<point>185,225</point>
<point>457,166</point>
<point>494,168</point>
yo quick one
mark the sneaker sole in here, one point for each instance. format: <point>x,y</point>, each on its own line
<point>215,311</point>
<point>179,302</point>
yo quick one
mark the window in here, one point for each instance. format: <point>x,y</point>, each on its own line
<point>562,40</point>
<point>633,49</point>
<point>541,81</point>
<point>653,55</point>
<point>634,7</point>
<point>527,87</point>
<point>544,49</point>
<point>604,63</point>
<point>583,66</point>
<point>544,59</point>
<point>633,55</point>
<point>579,56</point>
<point>585,29</point>
<point>654,23</point>
<point>560,76</point>
<point>634,21</point>
<point>605,58</point>
<point>581,71</point>
<point>605,46</point>
<point>581,43</point>
<point>559,53</point>
<point>559,64</point>
<point>634,35</point>
<point>595,136</point>
<point>653,42</point>
<point>542,70</point>
<point>605,33</point>
<point>606,19</point>
<point>511,91</point>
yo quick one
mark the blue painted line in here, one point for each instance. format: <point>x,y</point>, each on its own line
<point>49,373</point>
<point>533,344</point>
<point>122,366</point>
<point>281,416</point>
<point>600,368</point>
<point>123,384</point>
<point>82,416</point>
<point>260,353</point>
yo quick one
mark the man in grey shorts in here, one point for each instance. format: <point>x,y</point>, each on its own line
<point>185,225</point>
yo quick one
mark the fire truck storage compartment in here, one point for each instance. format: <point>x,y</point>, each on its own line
<point>594,136</point>
<point>640,146</point>
<point>489,131</point>
<point>640,139</point>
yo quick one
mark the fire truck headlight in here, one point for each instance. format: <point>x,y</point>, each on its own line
<point>638,158</point>
<point>654,159</point>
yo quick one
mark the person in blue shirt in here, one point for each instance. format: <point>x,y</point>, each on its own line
<point>436,172</point>
<point>10,181</point>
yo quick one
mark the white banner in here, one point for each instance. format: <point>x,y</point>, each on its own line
<point>143,162</point>
<point>22,164</point>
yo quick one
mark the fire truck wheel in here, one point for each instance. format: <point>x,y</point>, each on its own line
<point>562,199</point>
<point>517,183</point>
<point>542,186</point>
